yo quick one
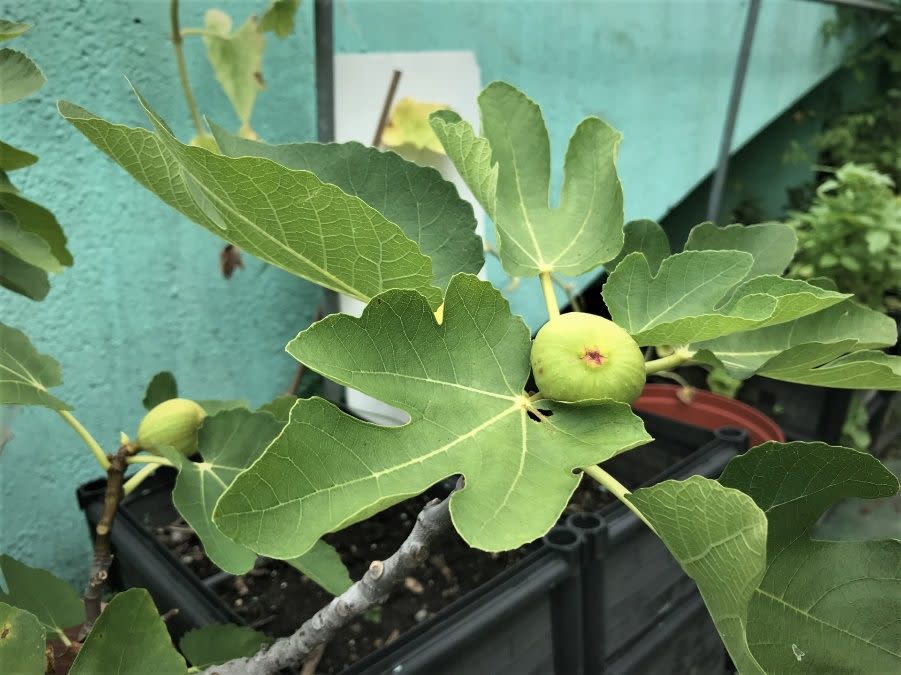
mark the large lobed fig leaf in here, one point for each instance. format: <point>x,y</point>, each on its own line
<point>289,218</point>
<point>228,442</point>
<point>426,207</point>
<point>781,601</point>
<point>508,169</point>
<point>723,298</point>
<point>462,383</point>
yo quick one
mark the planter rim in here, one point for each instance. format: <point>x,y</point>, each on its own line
<point>709,410</point>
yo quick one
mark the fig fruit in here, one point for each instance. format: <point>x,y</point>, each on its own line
<point>174,423</point>
<point>582,357</point>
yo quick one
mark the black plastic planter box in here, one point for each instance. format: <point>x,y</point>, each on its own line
<point>600,593</point>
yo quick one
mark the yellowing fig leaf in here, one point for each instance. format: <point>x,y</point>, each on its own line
<point>236,58</point>
<point>508,170</point>
<point>408,124</point>
<point>462,384</point>
<point>288,218</point>
<point>12,29</point>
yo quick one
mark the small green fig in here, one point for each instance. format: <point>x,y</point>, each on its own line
<point>174,423</point>
<point>582,357</point>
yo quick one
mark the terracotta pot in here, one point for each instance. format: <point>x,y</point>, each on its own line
<point>708,410</point>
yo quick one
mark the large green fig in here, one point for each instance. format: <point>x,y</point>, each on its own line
<point>174,423</point>
<point>578,357</point>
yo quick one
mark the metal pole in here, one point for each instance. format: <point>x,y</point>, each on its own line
<point>738,83</point>
<point>323,25</point>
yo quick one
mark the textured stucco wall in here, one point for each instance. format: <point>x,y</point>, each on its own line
<point>145,293</point>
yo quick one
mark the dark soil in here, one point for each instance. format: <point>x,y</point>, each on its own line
<point>276,599</point>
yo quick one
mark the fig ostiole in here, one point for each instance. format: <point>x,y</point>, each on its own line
<point>174,423</point>
<point>580,358</point>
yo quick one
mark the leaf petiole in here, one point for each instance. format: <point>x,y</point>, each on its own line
<point>89,440</point>
<point>547,287</point>
<point>143,474</point>
<point>679,357</point>
<point>149,459</point>
<point>617,489</point>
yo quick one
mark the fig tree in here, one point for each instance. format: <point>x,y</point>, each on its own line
<point>581,357</point>
<point>174,423</point>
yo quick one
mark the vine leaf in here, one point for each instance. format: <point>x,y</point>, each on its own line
<point>462,383</point>
<point>643,236</point>
<point>221,642</point>
<point>12,158</point>
<point>20,76</point>
<point>513,186</point>
<point>821,606</point>
<point>288,218</point>
<point>12,29</point>
<point>22,278</point>
<point>771,244</point>
<point>129,638</point>
<point>53,602</point>
<point>236,58</point>
<point>279,17</point>
<point>427,208</point>
<point>228,442</point>
<point>21,640</point>
<point>161,387</point>
<point>700,295</point>
<point>796,351</point>
<point>25,373</point>
<point>718,535</point>
<point>782,602</point>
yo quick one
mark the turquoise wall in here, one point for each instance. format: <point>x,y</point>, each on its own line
<point>145,293</point>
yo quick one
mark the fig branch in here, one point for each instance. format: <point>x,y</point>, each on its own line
<point>182,67</point>
<point>103,554</point>
<point>371,590</point>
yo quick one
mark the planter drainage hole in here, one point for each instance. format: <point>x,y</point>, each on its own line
<point>585,521</point>
<point>731,435</point>
<point>562,537</point>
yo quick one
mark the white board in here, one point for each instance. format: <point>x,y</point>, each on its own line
<point>361,84</point>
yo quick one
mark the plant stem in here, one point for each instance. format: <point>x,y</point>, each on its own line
<point>183,68</point>
<point>677,358</point>
<point>89,440</point>
<point>547,287</point>
<point>139,477</point>
<point>371,590</point>
<point>617,489</point>
<point>386,109</point>
<point>103,555</point>
<point>149,459</point>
